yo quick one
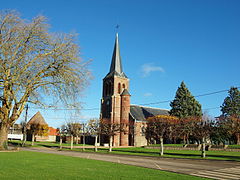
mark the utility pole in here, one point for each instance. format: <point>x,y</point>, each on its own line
<point>25,127</point>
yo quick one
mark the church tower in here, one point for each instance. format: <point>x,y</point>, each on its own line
<point>115,102</point>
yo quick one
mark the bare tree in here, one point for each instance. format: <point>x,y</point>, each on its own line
<point>109,129</point>
<point>62,133</point>
<point>94,130</point>
<point>35,64</point>
<point>73,129</point>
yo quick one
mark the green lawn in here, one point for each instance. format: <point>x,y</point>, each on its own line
<point>219,155</point>
<point>234,146</point>
<point>33,165</point>
<point>39,144</point>
<point>168,145</point>
<point>195,154</point>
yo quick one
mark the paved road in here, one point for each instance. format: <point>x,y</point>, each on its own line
<point>204,168</point>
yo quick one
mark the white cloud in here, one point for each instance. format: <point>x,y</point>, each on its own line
<point>150,67</point>
<point>147,94</point>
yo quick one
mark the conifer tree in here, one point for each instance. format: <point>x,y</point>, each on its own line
<point>231,104</point>
<point>231,113</point>
<point>185,105</point>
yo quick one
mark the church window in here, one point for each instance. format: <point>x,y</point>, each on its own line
<point>110,88</point>
<point>107,89</point>
<point>123,86</point>
<point>119,88</point>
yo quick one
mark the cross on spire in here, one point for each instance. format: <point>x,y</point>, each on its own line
<point>117,27</point>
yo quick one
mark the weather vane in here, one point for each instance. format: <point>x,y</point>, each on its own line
<point>117,27</point>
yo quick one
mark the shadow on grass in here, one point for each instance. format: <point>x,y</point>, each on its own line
<point>135,152</point>
<point>183,155</point>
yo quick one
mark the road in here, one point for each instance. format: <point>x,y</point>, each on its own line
<point>213,169</point>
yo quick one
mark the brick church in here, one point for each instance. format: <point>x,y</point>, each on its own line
<point>116,107</point>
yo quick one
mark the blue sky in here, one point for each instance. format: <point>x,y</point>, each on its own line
<point>162,43</point>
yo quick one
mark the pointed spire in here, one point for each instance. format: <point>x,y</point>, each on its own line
<point>116,64</point>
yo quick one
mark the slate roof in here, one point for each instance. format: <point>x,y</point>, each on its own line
<point>141,113</point>
<point>116,63</point>
<point>125,93</point>
<point>37,119</point>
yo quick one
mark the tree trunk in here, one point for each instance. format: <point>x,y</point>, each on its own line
<point>3,137</point>
<point>24,135</point>
<point>60,142</point>
<point>238,138</point>
<point>187,139</point>
<point>161,146</point>
<point>96,137</point>
<point>203,148</point>
<point>71,145</point>
<point>184,139</point>
<point>77,139</point>
<point>33,136</point>
<point>174,140</point>
<point>110,143</point>
<point>83,142</point>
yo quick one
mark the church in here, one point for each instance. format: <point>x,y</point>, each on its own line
<point>116,107</point>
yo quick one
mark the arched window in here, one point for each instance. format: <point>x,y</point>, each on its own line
<point>107,89</point>
<point>110,88</point>
<point>123,86</point>
<point>119,88</point>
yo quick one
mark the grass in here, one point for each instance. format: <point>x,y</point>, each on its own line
<point>34,165</point>
<point>167,145</point>
<point>40,144</point>
<point>193,154</point>
<point>234,146</point>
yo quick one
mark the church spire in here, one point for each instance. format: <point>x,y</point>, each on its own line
<point>116,64</point>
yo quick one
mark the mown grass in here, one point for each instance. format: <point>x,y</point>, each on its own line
<point>40,144</point>
<point>193,154</point>
<point>168,145</point>
<point>234,146</point>
<point>34,165</point>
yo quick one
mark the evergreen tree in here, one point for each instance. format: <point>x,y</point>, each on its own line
<point>185,105</point>
<point>231,104</point>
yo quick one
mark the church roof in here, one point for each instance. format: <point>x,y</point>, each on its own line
<point>37,119</point>
<point>141,113</point>
<point>125,92</point>
<point>116,63</point>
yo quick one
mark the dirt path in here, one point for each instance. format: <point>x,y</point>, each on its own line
<point>205,168</point>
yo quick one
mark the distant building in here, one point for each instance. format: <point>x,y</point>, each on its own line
<point>116,108</point>
<point>38,119</point>
<point>15,132</point>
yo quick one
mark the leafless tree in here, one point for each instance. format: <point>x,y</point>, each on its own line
<point>34,65</point>
<point>73,130</point>
<point>94,130</point>
<point>109,129</point>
